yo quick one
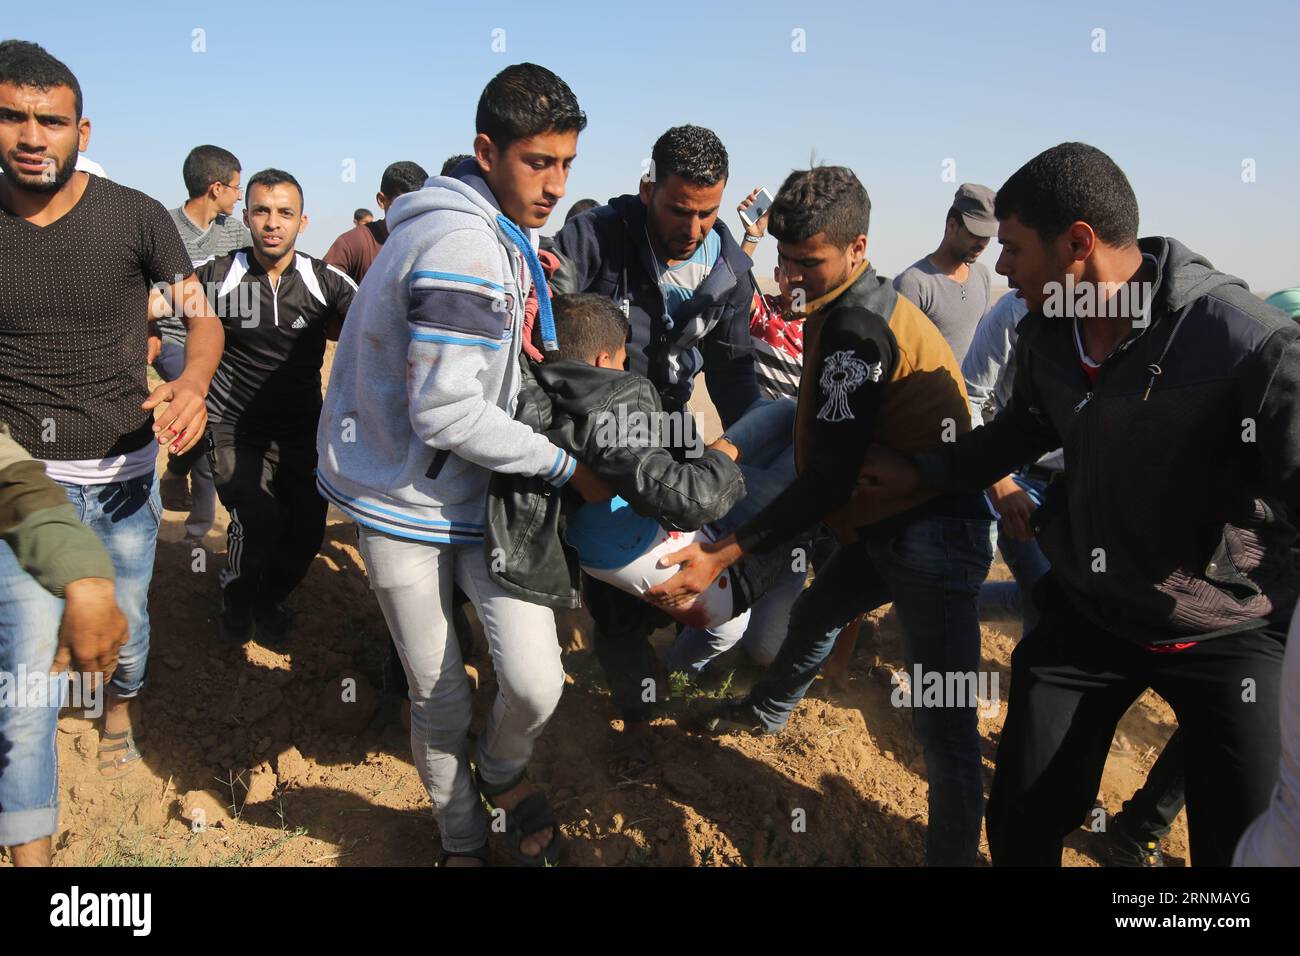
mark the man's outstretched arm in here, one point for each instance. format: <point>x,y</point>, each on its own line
<point>64,556</point>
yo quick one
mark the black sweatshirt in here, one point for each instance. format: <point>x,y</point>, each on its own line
<point>1182,479</point>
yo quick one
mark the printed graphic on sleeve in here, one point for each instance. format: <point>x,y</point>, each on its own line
<point>842,373</point>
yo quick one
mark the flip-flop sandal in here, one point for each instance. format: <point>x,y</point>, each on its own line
<point>481,854</point>
<point>128,758</point>
<point>531,816</point>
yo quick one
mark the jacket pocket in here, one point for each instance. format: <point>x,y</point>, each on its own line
<point>1226,570</point>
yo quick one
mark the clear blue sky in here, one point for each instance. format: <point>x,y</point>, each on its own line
<point>1183,93</point>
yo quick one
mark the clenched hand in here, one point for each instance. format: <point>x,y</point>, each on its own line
<point>92,630</point>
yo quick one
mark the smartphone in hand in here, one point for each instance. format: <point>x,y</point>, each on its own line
<point>762,203</point>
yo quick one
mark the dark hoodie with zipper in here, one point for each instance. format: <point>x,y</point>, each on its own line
<point>1175,521</point>
<point>569,401</point>
<point>605,251</point>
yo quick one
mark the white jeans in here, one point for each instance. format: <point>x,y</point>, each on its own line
<point>413,583</point>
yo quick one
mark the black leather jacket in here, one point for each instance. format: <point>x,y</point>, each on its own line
<point>579,407</point>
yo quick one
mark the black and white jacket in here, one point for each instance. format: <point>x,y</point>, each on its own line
<point>269,378</point>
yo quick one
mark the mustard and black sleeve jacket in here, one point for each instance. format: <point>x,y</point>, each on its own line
<point>41,527</point>
<point>876,371</point>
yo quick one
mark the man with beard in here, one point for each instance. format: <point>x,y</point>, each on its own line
<point>949,285</point>
<point>279,306</point>
<point>672,267</point>
<point>80,254</point>
<point>875,370</point>
<point>1172,390</point>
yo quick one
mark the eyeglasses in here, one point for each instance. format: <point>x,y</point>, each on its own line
<point>231,186</point>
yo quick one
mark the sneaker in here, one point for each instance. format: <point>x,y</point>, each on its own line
<point>733,715</point>
<point>174,490</point>
<point>1116,848</point>
<point>236,628</point>
<point>275,626</point>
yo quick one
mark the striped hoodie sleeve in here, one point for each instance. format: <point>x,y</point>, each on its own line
<point>460,323</point>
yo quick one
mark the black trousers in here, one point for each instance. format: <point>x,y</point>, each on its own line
<point>1071,683</point>
<point>1150,813</point>
<point>184,464</point>
<point>623,625</point>
<point>169,365</point>
<point>277,517</point>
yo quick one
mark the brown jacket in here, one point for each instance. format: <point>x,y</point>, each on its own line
<point>925,398</point>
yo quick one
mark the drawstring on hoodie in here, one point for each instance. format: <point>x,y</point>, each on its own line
<point>1154,368</point>
<point>550,342</point>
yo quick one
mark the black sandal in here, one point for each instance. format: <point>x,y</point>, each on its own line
<point>127,754</point>
<point>481,854</point>
<point>531,816</point>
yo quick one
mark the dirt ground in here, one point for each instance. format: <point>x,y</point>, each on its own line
<point>252,757</point>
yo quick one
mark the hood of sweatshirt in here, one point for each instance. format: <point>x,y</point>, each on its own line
<point>464,190</point>
<point>1183,276</point>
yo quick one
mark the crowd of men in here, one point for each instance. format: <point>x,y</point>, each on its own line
<point>1131,445</point>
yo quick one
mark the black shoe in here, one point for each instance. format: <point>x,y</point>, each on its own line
<point>236,628</point>
<point>1117,848</point>
<point>174,490</point>
<point>733,715</point>
<point>275,626</point>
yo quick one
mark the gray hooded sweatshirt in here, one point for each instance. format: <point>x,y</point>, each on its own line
<point>420,405</point>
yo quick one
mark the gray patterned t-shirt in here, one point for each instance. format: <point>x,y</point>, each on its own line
<point>226,234</point>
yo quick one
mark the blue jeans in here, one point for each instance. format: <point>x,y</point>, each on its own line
<point>764,435</point>
<point>932,570</point>
<point>1027,564</point>
<point>125,515</point>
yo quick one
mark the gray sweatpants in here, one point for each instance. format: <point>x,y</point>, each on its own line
<point>413,583</point>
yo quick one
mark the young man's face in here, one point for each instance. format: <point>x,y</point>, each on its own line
<point>1030,263</point>
<point>680,214</point>
<point>274,216</point>
<point>962,243</point>
<point>528,176</point>
<point>228,194</point>
<point>40,136</point>
<point>815,266</point>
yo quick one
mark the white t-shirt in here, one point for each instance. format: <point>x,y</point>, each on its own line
<point>103,471</point>
<point>90,166</point>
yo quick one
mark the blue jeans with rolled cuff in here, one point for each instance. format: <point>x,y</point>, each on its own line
<point>125,515</point>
